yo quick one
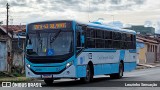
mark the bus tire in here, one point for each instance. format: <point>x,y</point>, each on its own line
<point>48,81</point>
<point>89,75</point>
<point>118,75</point>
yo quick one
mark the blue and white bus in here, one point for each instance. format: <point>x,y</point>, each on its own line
<point>69,49</point>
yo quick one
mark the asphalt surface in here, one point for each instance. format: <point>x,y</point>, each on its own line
<point>147,76</point>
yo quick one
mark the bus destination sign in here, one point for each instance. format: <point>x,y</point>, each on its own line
<point>45,26</point>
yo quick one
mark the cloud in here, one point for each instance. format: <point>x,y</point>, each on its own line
<point>40,1</point>
<point>67,2</point>
<point>124,10</point>
<point>76,5</point>
<point>20,3</point>
<point>97,2</point>
<point>118,24</point>
<point>115,1</point>
<point>3,3</point>
<point>118,5</point>
<point>139,2</point>
<point>158,27</point>
<point>148,23</point>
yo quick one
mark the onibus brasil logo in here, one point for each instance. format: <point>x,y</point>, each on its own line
<point>12,84</point>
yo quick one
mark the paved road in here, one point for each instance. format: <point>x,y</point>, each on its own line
<point>104,82</point>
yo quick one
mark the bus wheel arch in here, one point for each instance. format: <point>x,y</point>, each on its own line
<point>118,75</point>
<point>89,73</point>
<point>122,62</point>
<point>91,66</point>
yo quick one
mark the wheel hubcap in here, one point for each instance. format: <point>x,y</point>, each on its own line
<point>88,74</point>
<point>121,70</point>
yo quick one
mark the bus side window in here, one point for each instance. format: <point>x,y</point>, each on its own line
<point>108,39</point>
<point>123,41</point>
<point>133,40</point>
<point>93,33</point>
<point>78,39</point>
<point>99,34</point>
<point>90,43</point>
<point>117,40</point>
<point>87,32</point>
<point>134,45</point>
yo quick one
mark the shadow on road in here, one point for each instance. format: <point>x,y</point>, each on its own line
<point>77,83</point>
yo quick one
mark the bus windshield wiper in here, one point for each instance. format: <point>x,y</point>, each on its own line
<point>54,38</point>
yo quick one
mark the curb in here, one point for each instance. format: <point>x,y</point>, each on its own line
<point>146,67</point>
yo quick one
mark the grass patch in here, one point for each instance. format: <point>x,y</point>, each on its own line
<point>15,79</point>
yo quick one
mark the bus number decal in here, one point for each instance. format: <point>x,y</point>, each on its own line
<point>90,55</point>
<point>49,26</point>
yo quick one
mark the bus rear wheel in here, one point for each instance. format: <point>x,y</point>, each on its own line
<point>48,81</point>
<point>89,75</point>
<point>119,74</point>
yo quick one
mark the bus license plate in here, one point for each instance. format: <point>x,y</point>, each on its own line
<point>47,76</point>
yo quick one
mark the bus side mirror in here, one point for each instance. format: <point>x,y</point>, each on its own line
<point>20,35</point>
<point>82,39</point>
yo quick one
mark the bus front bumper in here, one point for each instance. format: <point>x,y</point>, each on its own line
<point>69,72</point>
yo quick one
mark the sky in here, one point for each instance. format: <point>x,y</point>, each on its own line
<point>134,12</point>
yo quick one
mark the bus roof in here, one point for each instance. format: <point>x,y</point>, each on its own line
<point>109,28</point>
<point>50,21</point>
<point>95,25</point>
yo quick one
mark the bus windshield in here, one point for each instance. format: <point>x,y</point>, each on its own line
<point>50,43</point>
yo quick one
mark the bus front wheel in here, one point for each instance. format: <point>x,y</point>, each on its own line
<point>48,81</point>
<point>119,74</point>
<point>89,75</point>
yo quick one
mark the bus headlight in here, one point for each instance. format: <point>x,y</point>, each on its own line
<point>28,65</point>
<point>69,64</point>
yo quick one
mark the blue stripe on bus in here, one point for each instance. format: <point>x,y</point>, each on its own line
<point>122,55</point>
<point>129,66</point>
<point>99,50</point>
<point>100,69</point>
<point>81,71</point>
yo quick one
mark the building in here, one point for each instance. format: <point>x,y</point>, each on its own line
<point>157,35</point>
<point>140,29</point>
<point>5,50</point>
<point>16,54</point>
<point>148,49</point>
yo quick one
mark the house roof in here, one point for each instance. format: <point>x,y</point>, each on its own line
<point>15,28</point>
<point>3,30</point>
<point>147,39</point>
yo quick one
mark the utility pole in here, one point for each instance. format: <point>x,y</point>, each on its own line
<point>7,6</point>
<point>9,53</point>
